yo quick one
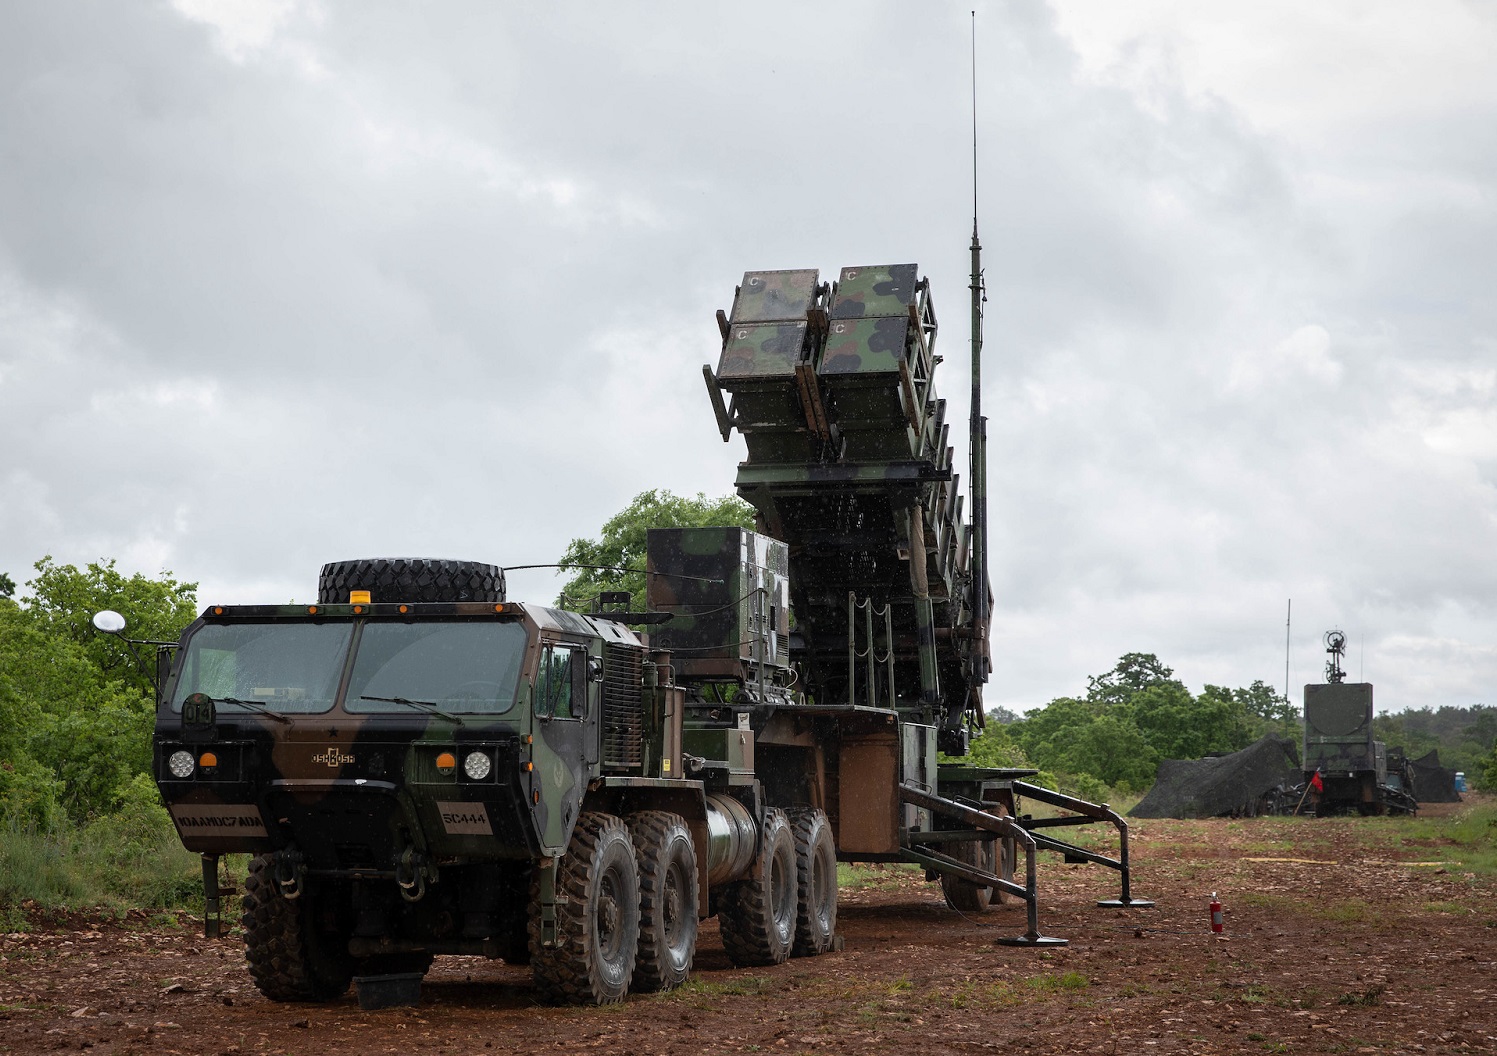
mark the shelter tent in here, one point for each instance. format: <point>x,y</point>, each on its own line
<point>1432,782</point>
<point>1246,782</point>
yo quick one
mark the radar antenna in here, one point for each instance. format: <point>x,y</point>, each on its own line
<point>1335,645</point>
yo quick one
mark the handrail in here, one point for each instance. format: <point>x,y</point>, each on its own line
<point>999,825</point>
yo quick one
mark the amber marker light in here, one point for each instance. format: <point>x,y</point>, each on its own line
<point>218,610</point>
<point>207,760</point>
<point>360,597</point>
<point>527,766</point>
<point>312,609</point>
<point>498,608</point>
<point>446,763</point>
<point>404,609</point>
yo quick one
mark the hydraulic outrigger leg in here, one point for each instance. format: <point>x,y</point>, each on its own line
<point>1000,826</point>
<point>1089,812</point>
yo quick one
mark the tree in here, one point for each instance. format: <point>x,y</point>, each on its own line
<point>1179,726</point>
<point>1134,672</point>
<point>7,586</point>
<point>72,736</point>
<point>1112,749</point>
<point>621,543</point>
<point>65,598</point>
<point>75,709</point>
<point>995,746</point>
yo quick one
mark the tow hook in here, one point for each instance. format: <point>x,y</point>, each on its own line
<point>410,874</point>
<point>289,871</point>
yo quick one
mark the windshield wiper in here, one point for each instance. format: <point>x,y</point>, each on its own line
<point>424,705</point>
<point>253,705</point>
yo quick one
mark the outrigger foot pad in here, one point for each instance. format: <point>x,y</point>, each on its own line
<point>1032,940</point>
<point>1126,903</point>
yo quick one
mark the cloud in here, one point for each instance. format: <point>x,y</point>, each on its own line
<point>286,283</point>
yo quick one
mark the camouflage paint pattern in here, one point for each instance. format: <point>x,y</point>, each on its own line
<point>880,289</point>
<point>729,589</point>
<point>866,346</point>
<point>767,296</point>
<point>762,350</point>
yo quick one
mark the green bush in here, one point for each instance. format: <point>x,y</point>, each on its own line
<point>30,795</point>
<point>130,858</point>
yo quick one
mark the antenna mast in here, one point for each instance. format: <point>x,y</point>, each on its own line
<point>978,442</point>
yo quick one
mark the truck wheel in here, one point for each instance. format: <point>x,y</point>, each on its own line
<point>597,917</point>
<point>410,579</point>
<point>758,914</point>
<point>963,895</point>
<point>816,887</point>
<point>995,856</point>
<point>667,899</point>
<point>289,958</point>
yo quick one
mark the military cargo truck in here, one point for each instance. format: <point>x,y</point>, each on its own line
<point>419,766</point>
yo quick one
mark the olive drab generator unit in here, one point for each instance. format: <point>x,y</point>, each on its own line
<point>419,766</point>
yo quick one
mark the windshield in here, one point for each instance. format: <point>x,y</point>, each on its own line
<point>288,667</point>
<point>457,667</point>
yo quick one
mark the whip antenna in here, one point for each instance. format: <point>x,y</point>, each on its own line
<point>978,442</point>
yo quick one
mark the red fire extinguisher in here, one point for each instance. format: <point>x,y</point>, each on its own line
<point>1217,923</point>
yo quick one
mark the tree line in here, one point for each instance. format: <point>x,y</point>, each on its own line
<point>1114,736</point>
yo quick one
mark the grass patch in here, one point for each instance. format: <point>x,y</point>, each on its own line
<point>863,876</point>
<point>1352,911</point>
<point>973,995</point>
<point>1445,907</point>
<point>748,986</point>
<point>1056,984</point>
<point>129,860</point>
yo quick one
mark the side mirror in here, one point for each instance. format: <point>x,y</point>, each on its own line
<point>109,621</point>
<point>595,668</point>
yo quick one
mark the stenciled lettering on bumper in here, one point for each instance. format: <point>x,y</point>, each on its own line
<point>225,820</point>
<point>465,819</point>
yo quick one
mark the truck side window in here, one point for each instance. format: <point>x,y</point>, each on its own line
<point>557,685</point>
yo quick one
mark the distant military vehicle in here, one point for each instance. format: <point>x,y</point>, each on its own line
<point>420,766</point>
<point>1345,768</point>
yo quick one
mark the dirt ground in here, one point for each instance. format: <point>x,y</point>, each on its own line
<point>1338,940</point>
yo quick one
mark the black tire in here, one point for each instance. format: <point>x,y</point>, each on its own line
<point>996,856</point>
<point>597,918</point>
<point>290,959</point>
<point>816,882</point>
<point>667,899</point>
<point>413,579</point>
<point>758,914</point>
<point>963,895</point>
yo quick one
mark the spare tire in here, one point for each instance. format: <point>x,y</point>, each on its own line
<point>412,579</point>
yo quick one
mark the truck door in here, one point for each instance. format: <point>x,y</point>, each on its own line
<point>566,737</point>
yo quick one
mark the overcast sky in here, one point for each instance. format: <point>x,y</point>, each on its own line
<point>286,282</point>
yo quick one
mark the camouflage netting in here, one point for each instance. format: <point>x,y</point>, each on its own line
<point>1237,784</point>
<point>1432,782</point>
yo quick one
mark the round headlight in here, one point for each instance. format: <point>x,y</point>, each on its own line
<point>477,765</point>
<point>180,764</point>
